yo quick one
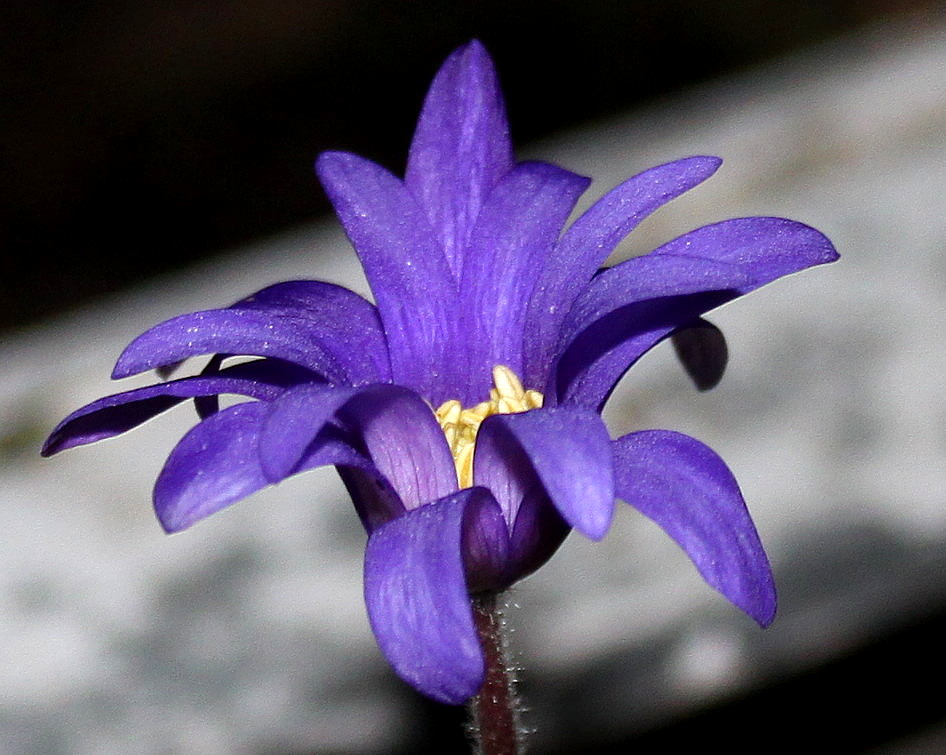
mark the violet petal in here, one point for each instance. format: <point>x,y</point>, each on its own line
<point>486,546</point>
<point>418,603</point>
<point>649,277</point>
<point>765,247</point>
<point>689,491</point>
<point>413,287</point>
<point>216,464</point>
<point>569,449</point>
<point>644,308</point>
<point>512,239</point>
<point>120,412</point>
<point>400,434</point>
<point>594,362</point>
<point>292,423</point>
<point>341,317</point>
<point>586,244</point>
<point>461,148</point>
<point>233,331</point>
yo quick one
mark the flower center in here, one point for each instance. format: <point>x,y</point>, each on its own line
<point>461,425</point>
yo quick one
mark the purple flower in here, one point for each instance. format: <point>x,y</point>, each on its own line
<point>462,407</point>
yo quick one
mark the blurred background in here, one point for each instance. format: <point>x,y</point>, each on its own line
<point>157,158</point>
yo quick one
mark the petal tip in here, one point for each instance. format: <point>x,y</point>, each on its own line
<point>763,613</point>
<point>596,528</point>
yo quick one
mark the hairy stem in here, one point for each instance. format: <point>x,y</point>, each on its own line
<point>494,710</point>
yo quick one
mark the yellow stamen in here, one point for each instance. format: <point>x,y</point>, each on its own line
<point>460,425</point>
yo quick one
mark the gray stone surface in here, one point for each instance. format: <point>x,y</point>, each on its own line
<point>248,632</point>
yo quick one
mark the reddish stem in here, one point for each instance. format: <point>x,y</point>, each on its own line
<point>494,711</point>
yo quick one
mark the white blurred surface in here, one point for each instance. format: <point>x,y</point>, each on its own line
<point>248,632</point>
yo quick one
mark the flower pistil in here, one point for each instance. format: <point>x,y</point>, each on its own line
<point>507,396</point>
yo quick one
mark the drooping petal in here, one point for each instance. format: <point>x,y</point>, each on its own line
<point>418,603</point>
<point>701,349</point>
<point>413,287</point>
<point>461,148</point>
<point>569,450</point>
<point>342,317</point>
<point>116,414</point>
<point>511,242</point>
<point>212,466</point>
<point>586,244</point>
<point>292,423</point>
<point>216,464</point>
<point>234,331</point>
<point>689,491</point>
<point>630,307</point>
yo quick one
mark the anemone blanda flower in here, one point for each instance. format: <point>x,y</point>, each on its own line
<point>462,407</point>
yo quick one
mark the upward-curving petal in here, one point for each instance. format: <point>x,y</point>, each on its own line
<point>689,491</point>
<point>586,244</point>
<point>461,148</point>
<point>511,241</point>
<point>417,599</point>
<point>413,286</point>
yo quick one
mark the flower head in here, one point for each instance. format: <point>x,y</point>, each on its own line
<point>462,407</point>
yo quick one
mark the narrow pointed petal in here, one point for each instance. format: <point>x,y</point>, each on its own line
<point>233,331</point>
<point>116,414</point>
<point>701,349</point>
<point>587,243</point>
<point>342,318</point>
<point>511,241</point>
<point>216,464</point>
<point>632,306</point>
<point>570,451</point>
<point>418,603</point>
<point>461,148</point>
<point>684,487</point>
<point>766,248</point>
<point>413,287</point>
